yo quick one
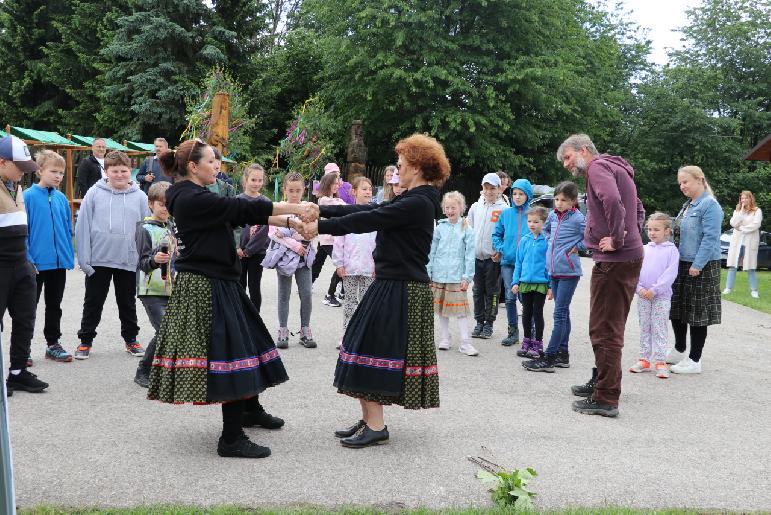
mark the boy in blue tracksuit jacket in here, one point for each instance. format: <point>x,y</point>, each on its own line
<point>531,281</point>
<point>49,245</point>
<point>511,227</point>
<point>564,231</point>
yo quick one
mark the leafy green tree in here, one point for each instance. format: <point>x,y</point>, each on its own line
<point>499,83</point>
<point>29,98</point>
<point>75,64</point>
<point>156,60</point>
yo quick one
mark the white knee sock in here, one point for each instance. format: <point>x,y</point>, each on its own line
<point>444,329</point>
<point>463,328</point>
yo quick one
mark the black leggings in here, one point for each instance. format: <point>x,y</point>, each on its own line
<point>698,337</point>
<point>321,256</point>
<point>233,416</point>
<point>532,312</point>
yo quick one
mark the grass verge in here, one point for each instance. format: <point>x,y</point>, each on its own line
<point>740,293</point>
<point>313,510</point>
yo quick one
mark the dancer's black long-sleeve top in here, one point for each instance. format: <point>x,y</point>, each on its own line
<point>405,227</point>
<point>205,224</point>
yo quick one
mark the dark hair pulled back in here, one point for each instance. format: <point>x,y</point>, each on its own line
<point>174,162</point>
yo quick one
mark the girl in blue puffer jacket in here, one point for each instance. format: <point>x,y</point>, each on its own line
<point>564,231</point>
<point>451,268</point>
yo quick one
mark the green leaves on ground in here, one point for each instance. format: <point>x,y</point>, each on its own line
<point>510,488</point>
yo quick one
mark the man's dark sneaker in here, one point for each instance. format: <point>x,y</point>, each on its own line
<point>591,407</point>
<point>487,331</point>
<point>142,378</point>
<point>241,448</point>
<point>366,437</point>
<point>477,332</point>
<point>350,431</point>
<point>562,360</point>
<point>56,352</point>
<point>26,382</point>
<point>262,419</point>
<point>331,300</point>
<point>82,352</point>
<point>585,390</point>
<point>545,363</point>
<point>135,349</point>
<point>512,338</point>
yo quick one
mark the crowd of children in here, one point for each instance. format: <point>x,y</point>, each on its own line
<point>125,237</point>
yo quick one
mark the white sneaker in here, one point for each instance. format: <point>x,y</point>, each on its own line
<point>687,366</point>
<point>726,291</point>
<point>675,357</point>
<point>468,349</point>
<point>755,294</point>
<point>444,345</point>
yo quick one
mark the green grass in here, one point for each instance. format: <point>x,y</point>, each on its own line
<point>311,510</point>
<point>741,290</point>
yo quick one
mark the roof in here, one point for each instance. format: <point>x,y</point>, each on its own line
<point>134,145</point>
<point>49,138</point>
<point>761,152</point>
<point>89,140</point>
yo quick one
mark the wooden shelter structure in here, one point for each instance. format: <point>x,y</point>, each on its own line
<point>761,151</point>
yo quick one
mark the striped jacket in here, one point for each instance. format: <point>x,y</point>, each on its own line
<point>13,226</point>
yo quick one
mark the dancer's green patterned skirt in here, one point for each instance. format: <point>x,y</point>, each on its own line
<point>388,354</point>
<point>212,346</point>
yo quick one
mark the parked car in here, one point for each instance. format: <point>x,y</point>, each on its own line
<point>764,249</point>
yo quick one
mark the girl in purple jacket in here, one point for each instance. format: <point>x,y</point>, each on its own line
<point>659,270</point>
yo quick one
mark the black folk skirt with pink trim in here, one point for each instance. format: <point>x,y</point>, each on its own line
<point>212,346</point>
<point>388,354</point>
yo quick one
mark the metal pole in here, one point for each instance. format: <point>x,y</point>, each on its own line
<point>7,498</point>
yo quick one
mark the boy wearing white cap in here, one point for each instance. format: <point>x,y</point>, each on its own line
<point>483,215</point>
<point>18,286</point>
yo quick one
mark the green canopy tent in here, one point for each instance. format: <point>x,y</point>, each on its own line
<point>143,147</point>
<point>89,140</point>
<point>53,141</point>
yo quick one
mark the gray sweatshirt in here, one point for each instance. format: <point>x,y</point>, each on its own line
<point>106,227</point>
<point>483,217</point>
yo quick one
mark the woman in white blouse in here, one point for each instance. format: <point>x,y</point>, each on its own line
<point>746,222</point>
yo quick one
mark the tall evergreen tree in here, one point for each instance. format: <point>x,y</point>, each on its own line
<point>76,65</point>
<point>156,60</point>
<point>29,98</point>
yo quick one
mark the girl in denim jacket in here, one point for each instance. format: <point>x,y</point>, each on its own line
<point>564,232</point>
<point>451,268</point>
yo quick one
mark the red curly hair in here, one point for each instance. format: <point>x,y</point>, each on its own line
<point>427,154</point>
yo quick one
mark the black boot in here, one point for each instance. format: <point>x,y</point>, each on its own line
<point>349,431</point>
<point>242,447</point>
<point>585,390</point>
<point>262,419</point>
<point>142,378</point>
<point>366,437</point>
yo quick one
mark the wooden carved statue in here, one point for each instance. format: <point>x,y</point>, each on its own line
<point>357,151</point>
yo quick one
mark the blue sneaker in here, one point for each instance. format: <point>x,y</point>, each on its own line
<point>82,352</point>
<point>56,352</point>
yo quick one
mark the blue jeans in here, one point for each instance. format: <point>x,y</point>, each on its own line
<point>563,290</point>
<point>752,276</point>
<point>507,271</point>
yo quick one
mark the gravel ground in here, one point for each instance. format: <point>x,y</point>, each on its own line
<point>697,441</point>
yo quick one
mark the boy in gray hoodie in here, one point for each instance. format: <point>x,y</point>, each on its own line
<point>483,215</point>
<point>106,247</point>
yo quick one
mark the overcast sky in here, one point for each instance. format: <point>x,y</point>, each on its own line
<point>662,17</point>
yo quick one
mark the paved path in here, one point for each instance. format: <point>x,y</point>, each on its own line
<point>691,441</point>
